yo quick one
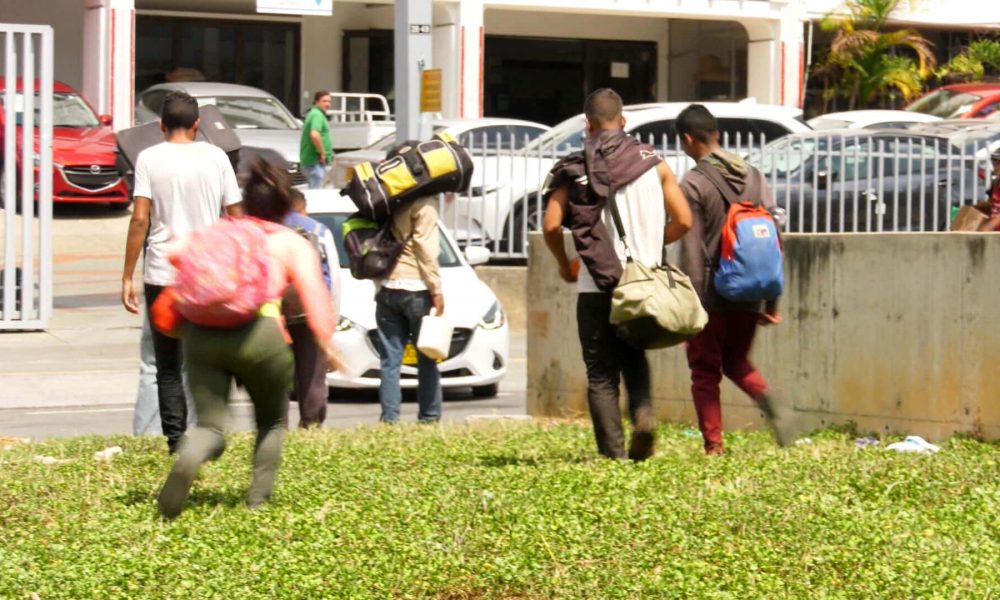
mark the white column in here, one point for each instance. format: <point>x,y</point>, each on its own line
<point>109,58</point>
<point>774,61</point>
<point>471,40</point>
<point>413,53</point>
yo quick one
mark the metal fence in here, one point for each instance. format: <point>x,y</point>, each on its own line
<point>838,183</point>
<point>26,171</point>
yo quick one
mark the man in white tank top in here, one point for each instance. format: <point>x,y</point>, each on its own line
<point>644,204</point>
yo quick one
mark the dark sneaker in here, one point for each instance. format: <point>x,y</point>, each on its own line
<point>642,446</point>
<point>778,419</point>
<point>714,450</point>
<point>175,490</point>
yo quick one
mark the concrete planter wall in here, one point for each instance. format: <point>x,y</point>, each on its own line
<point>896,332</point>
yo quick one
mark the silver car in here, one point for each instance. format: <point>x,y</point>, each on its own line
<point>259,119</point>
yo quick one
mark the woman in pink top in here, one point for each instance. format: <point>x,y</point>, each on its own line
<point>256,354</point>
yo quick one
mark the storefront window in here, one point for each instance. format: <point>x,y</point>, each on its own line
<point>259,54</point>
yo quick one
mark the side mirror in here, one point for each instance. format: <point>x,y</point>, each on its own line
<point>477,255</point>
<point>105,120</point>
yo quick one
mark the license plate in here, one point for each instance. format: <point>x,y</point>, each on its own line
<point>410,355</point>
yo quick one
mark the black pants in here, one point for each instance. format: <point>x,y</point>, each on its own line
<point>169,384</point>
<point>608,359</point>
<point>310,376</point>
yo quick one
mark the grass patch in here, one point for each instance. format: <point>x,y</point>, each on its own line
<point>506,511</point>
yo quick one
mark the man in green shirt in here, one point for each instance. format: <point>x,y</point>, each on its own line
<point>316,147</point>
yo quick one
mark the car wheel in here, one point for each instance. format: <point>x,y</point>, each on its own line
<point>485,391</point>
<point>534,217</point>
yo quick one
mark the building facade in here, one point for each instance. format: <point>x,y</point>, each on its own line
<point>533,59</point>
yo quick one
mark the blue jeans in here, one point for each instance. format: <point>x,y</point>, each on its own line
<point>314,175</point>
<point>398,314</point>
<point>146,418</point>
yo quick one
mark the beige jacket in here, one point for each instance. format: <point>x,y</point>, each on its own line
<point>419,260</point>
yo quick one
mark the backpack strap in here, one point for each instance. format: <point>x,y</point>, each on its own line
<point>619,225</point>
<point>714,175</point>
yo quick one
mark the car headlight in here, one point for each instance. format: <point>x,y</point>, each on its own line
<point>494,317</point>
<point>344,324</point>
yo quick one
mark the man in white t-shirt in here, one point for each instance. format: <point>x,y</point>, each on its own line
<point>180,186</point>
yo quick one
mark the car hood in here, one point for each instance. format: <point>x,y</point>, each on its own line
<point>82,146</point>
<point>283,141</point>
<point>466,298</point>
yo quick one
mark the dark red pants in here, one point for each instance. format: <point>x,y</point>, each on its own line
<point>721,349</point>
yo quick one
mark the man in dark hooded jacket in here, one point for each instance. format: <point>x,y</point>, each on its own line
<point>724,345</point>
<point>612,167</point>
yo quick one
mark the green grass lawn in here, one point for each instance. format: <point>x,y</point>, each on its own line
<point>507,511</point>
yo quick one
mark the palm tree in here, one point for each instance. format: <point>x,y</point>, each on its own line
<point>870,63</point>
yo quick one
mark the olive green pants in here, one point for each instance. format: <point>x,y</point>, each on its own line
<point>260,359</point>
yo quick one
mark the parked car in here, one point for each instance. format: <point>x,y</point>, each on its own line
<point>974,140</point>
<point>959,101</point>
<point>870,119</point>
<point>859,180</point>
<point>259,119</point>
<point>480,346</point>
<point>83,148</point>
<point>358,120</point>
<point>742,125</point>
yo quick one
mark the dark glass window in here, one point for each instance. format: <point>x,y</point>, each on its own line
<point>260,54</point>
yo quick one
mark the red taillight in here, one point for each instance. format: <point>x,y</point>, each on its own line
<point>981,172</point>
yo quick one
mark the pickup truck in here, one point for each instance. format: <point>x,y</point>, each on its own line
<point>358,120</point>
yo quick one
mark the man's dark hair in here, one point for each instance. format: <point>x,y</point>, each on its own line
<point>297,197</point>
<point>266,194</point>
<point>602,106</point>
<point>320,94</point>
<point>698,122</point>
<point>180,111</point>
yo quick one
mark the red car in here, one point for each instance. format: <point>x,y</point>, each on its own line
<point>83,149</point>
<point>960,101</point>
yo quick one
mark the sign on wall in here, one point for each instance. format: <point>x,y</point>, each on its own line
<point>430,90</point>
<point>296,7</point>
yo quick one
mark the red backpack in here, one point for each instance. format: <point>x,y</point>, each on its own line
<point>223,274</point>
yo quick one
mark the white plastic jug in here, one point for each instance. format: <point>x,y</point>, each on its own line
<point>435,337</point>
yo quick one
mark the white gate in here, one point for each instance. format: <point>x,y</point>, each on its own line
<point>26,171</point>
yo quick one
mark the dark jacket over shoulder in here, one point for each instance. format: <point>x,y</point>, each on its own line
<point>700,248</point>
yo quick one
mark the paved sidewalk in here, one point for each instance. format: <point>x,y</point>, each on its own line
<point>89,354</point>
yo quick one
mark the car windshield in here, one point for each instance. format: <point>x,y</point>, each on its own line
<point>972,141</point>
<point>564,138</point>
<point>68,110</point>
<point>335,221</point>
<point>386,143</point>
<point>783,157</point>
<point>947,104</point>
<point>251,113</point>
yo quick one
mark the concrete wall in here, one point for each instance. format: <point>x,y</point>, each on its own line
<point>894,332</point>
<point>66,19</point>
<point>510,285</point>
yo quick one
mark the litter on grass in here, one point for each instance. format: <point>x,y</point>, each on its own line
<point>914,443</point>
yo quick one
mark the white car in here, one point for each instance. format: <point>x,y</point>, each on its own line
<point>511,205</point>
<point>259,119</point>
<point>870,119</point>
<point>480,345</point>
